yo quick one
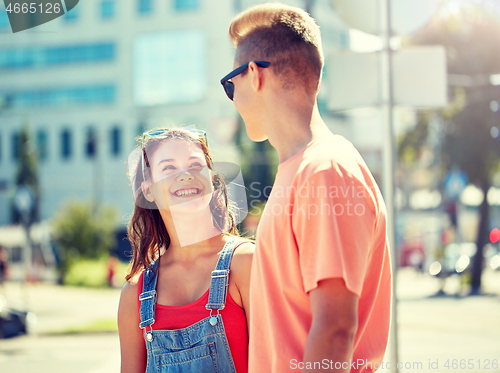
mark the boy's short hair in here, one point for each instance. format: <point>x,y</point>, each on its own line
<point>286,36</point>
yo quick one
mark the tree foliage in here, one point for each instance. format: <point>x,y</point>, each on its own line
<point>80,232</point>
<point>411,142</point>
<point>471,37</point>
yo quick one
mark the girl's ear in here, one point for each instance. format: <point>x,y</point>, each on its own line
<point>146,191</point>
<point>213,177</point>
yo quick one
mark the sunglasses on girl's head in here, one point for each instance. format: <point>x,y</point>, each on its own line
<point>229,86</point>
<point>158,133</point>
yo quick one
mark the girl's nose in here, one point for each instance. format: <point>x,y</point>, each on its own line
<point>184,176</point>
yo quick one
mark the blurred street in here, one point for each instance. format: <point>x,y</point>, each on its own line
<point>430,328</point>
<point>58,310</point>
<point>85,353</point>
<point>447,327</point>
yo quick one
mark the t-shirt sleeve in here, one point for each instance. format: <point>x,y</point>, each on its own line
<point>334,222</point>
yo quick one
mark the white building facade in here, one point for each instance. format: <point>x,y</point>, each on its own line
<point>87,83</point>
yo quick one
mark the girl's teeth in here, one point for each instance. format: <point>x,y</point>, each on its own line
<point>185,192</point>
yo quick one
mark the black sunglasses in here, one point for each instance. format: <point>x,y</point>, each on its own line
<point>229,86</point>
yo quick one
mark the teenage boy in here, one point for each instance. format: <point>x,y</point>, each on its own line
<point>321,276</point>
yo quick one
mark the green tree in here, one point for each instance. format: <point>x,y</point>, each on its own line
<point>81,233</point>
<point>471,38</point>
<point>259,162</point>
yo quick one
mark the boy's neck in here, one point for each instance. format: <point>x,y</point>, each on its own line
<point>292,128</point>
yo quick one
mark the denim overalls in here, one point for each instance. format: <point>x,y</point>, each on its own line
<point>201,347</point>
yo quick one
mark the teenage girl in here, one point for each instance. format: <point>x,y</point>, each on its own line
<point>183,308</point>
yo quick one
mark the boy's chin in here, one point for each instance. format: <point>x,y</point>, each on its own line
<point>256,137</point>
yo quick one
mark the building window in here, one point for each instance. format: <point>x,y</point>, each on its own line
<point>186,4</point>
<point>145,6</point>
<point>107,9</point>
<point>170,67</point>
<point>66,144</point>
<point>71,16</point>
<point>42,145</point>
<point>116,141</point>
<point>79,54</point>
<point>16,139</point>
<point>90,95</point>
<point>4,18</point>
<point>91,143</point>
<point>55,56</point>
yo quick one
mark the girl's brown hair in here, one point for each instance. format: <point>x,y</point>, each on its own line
<point>146,231</point>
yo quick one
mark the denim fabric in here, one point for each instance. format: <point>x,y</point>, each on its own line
<point>200,347</point>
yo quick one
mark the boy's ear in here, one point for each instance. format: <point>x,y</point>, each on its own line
<point>256,76</point>
<point>146,191</point>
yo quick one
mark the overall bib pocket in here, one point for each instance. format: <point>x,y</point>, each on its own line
<point>197,359</point>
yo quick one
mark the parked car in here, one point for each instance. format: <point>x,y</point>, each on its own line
<point>412,254</point>
<point>492,256</point>
<point>456,259</point>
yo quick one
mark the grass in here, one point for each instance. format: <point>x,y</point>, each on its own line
<point>93,274</point>
<point>97,326</point>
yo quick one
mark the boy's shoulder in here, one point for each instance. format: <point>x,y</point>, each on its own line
<point>332,153</point>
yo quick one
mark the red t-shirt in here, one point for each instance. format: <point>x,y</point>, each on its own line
<point>177,317</point>
<point>325,218</point>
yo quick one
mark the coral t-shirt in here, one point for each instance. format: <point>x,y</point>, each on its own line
<point>325,218</point>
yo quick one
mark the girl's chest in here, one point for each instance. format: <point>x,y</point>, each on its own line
<point>179,287</point>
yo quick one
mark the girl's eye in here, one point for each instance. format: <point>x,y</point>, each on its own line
<point>196,164</point>
<point>169,167</point>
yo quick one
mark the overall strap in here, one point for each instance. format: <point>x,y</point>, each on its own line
<point>220,277</point>
<point>148,295</point>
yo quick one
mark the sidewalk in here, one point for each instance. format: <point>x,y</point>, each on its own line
<point>442,329</point>
<point>430,328</point>
<point>58,308</point>
<point>81,353</point>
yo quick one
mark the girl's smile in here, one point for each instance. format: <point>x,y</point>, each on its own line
<point>180,176</point>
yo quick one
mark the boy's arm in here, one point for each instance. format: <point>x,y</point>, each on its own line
<point>334,324</point>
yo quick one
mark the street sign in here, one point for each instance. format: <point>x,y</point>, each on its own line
<point>407,16</point>
<point>455,182</point>
<point>419,78</point>
<point>353,80</point>
<point>23,200</point>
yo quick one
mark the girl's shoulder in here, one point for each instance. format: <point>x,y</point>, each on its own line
<point>242,256</point>
<point>132,287</point>
<point>241,266</point>
<point>129,296</point>
<point>244,247</point>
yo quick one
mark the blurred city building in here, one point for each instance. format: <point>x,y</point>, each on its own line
<point>89,82</point>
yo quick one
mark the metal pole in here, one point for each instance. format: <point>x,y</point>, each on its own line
<point>388,157</point>
<point>96,171</point>
<point>28,249</point>
<point>308,6</point>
